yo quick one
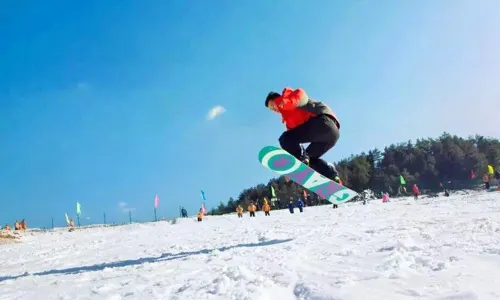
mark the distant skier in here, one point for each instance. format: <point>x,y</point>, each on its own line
<point>239,211</point>
<point>300,205</point>
<point>385,197</point>
<point>266,208</point>
<point>416,191</point>
<point>306,121</point>
<point>184,213</point>
<point>486,180</point>
<point>251,209</point>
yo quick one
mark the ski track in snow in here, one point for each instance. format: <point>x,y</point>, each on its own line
<point>435,248</point>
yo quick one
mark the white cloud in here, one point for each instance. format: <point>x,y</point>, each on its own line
<point>215,111</point>
<point>124,207</point>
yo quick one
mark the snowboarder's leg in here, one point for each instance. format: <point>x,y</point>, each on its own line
<point>325,138</point>
<point>290,140</point>
<point>324,134</point>
<point>320,131</point>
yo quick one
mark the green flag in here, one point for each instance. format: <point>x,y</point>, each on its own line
<point>402,180</point>
<point>78,208</point>
<point>273,194</point>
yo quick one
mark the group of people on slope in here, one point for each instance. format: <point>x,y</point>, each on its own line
<point>252,208</point>
<point>266,208</point>
<point>488,181</point>
<point>17,225</point>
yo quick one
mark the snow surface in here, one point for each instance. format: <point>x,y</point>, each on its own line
<point>434,248</point>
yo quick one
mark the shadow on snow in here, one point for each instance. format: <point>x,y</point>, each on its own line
<point>133,262</point>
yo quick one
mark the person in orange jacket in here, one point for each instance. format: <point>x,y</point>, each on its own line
<point>266,208</point>
<point>23,225</point>
<point>200,215</point>
<point>239,211</point>
<point>251,209</point>
<point>306,121</point>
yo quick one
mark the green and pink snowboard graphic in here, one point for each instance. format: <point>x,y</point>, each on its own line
<point>283,163</point>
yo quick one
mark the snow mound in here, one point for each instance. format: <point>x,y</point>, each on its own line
<point>7,237</point>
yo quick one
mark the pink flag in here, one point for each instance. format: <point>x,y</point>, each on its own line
<point>472,175</point>
<point>203,210</point>
<point>157,201</point>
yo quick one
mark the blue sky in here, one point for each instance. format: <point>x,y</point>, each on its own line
<point>106,102</point>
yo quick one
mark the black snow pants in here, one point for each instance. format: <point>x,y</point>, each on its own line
<point>322,132</point>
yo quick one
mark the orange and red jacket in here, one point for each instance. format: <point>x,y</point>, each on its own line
<point>296,108</point>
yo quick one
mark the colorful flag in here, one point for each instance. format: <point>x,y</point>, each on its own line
<point>203,195</point>
<point>157,201</point>
<point>305,194</point>
<point>491,170</point>
<point>78,208</point>
<point>472,175</point>
<point>402,180</point>
<point>203,209</point>
<point>273,193</point>
<point>67,219</point>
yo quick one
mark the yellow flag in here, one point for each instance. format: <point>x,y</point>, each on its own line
<point>491,170</point>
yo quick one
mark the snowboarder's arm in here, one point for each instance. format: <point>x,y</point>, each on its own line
<point>290,99</point>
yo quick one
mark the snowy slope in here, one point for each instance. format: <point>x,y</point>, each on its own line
<point>437,248</point>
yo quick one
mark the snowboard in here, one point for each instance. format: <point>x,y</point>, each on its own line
<point>283,163</point>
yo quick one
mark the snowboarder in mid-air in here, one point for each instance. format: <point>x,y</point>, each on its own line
<point>306,121</point>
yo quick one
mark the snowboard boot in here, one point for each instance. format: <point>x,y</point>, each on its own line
<point>304,157</point>
<point>333,174</point>
<point>324,168</point>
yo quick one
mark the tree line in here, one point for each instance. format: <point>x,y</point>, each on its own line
<point>448,161</point>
